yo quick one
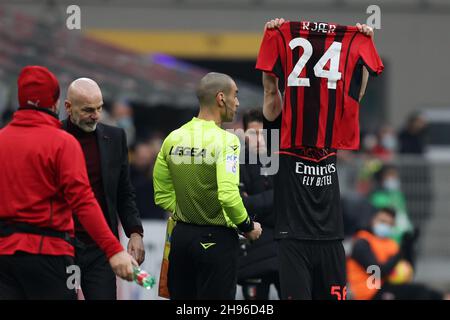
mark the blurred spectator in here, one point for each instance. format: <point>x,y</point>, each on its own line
<point>373,247</point>
<point>6,117</point>
<point>416,173</point>
<point>141,160</point>
<point>106,118</point>
<point>357,212</point>
<point>7,103</point>
<point>258,264</point>
<point>4,97</point>
<point>365,183</point>
<point>412,137</point>
<point>386,144</point>
<point>141,168</point>
<point>122,115</point>
<point>388,194</point>
<point>368,142</point>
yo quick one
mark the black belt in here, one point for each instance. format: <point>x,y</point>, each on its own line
<point>9,228</point>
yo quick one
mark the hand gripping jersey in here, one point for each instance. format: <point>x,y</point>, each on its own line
<point>321,67</point>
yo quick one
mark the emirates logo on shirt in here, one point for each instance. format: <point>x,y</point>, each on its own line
<point>317,170</point>
<point>316,175</point>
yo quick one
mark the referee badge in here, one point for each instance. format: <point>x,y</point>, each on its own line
<point>231,163</point>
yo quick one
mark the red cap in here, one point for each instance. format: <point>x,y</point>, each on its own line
<point>37,87</point>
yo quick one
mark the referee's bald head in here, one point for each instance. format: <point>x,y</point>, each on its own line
<point>210,85</point>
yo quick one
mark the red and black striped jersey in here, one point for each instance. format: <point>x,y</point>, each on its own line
<point>321,67</point>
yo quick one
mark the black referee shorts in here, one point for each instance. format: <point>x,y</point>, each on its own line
<point>35,277</point>
<point>312,270</point>
<point>203,262</point>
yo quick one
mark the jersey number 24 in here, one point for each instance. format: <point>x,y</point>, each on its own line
<point>333,54</point>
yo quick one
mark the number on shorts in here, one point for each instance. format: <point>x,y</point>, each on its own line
<point>336,291</point>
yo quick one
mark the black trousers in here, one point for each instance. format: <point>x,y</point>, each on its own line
<point>98,281</point>
<point>312,270</point>
<point>203,263</point>
<point>26,276</point>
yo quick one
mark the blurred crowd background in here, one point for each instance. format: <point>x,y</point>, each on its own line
<point>148,56</point>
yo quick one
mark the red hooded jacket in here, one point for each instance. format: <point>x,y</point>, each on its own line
<point>43,179</point>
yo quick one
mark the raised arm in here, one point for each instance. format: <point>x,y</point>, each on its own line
<point>273,101</point>
<point>368,31</point>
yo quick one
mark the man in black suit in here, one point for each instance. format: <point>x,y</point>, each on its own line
<point>106,154</point>
<point>258,264</point>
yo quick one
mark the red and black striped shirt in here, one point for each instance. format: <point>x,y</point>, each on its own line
<point>321,67</point>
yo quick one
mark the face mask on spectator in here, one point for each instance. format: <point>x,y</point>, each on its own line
<point>125,122</point>
<point>389,142</point>
<point>391,184</point>
<point>382,230</point>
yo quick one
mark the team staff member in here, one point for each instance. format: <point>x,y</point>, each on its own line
<point>106,154</point>
<point>309,223</point>
<point>196,177</point>
<point>43,181</point>
<point>258,263</point>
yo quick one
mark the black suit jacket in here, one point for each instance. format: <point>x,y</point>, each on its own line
<point>258,258</point>
<point>119,192</point>
<point>259,188</point>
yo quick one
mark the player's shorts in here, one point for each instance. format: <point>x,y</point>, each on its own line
<point>312,270</point>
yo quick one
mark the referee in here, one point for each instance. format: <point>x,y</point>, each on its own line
<point>196,177</point>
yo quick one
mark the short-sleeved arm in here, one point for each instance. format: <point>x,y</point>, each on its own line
<point>269,54</point>
<point>227,167</point>
<point>369,55</point>
<point>162,183</point>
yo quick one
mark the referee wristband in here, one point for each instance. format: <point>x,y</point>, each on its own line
<point>246,225</point>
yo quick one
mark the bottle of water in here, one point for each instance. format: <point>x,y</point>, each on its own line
<point>143,279</point>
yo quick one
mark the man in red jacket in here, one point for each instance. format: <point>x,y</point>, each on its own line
<point>43,180</point>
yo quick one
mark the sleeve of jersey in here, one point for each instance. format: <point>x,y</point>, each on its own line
<point>269,54</point>
<point>162,183</point>
<point>77,192</point>
<point>369,54</point>
<point>227,166</point>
